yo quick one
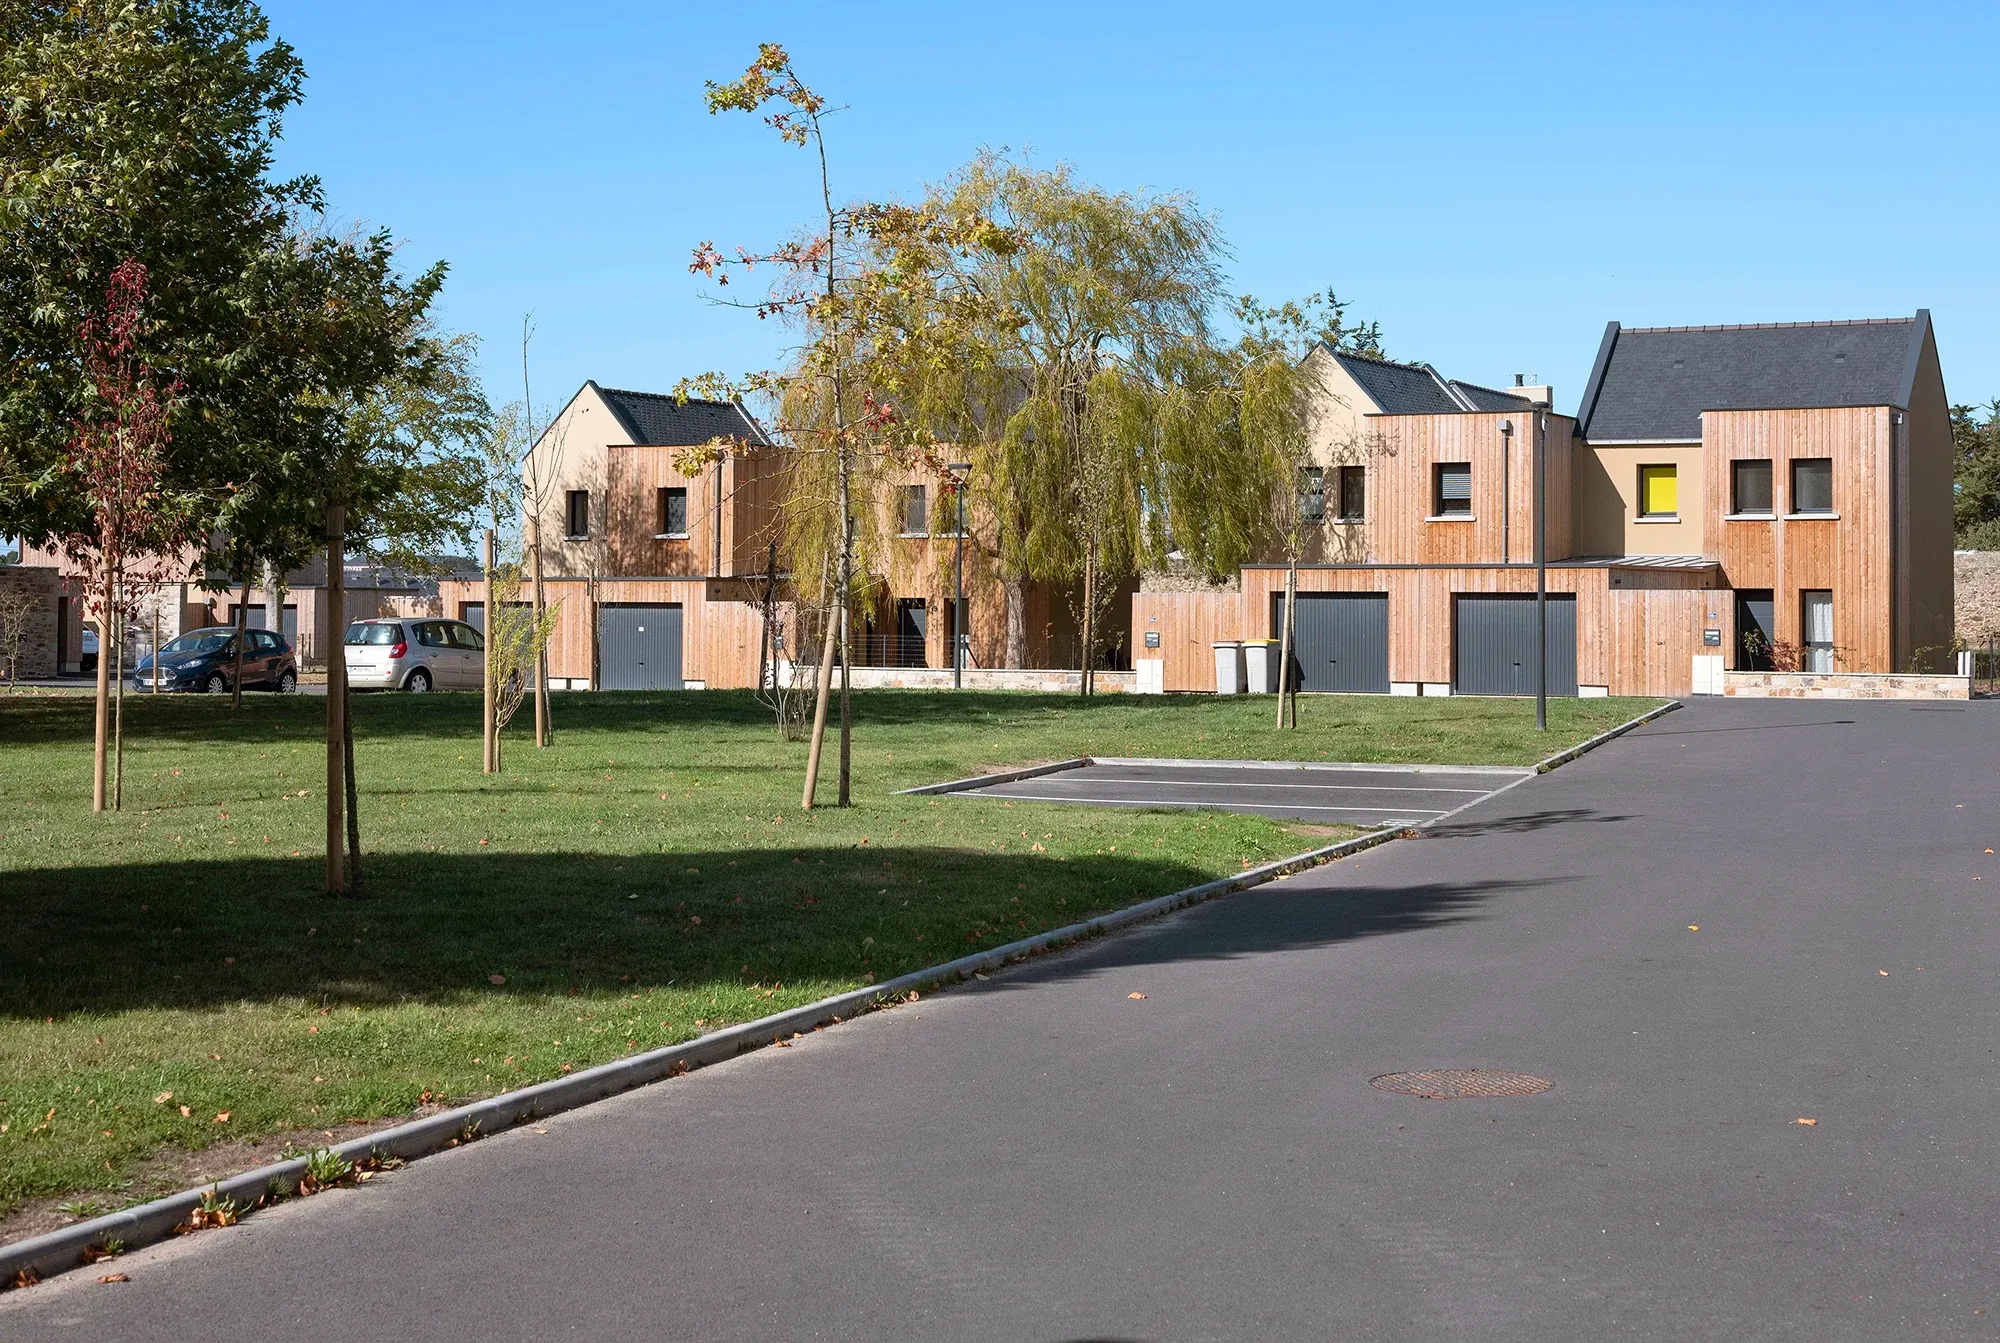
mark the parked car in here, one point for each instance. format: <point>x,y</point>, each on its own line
<point>87,662</point>
<point>414,654</point>
<point>205,660</point>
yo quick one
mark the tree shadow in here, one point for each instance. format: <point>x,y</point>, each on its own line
<point>436,927</point>
<point>1523,823</point>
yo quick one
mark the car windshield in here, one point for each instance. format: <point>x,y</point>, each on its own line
<point>201,641</point>
<point>361,632</point>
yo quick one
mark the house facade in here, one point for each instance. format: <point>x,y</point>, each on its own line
<point>1725,499</point>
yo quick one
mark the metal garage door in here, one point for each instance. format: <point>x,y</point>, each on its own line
<point>1342,641</point>
<point>1494,641</point>
<point>639,647</point>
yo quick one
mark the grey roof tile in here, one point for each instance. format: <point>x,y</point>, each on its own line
<point>1400,389</point>
<point>1653,383</point>
<point>663,421</point>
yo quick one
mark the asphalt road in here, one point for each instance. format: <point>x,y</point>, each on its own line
<point>1044,1157</point>
<point>1362,795</point>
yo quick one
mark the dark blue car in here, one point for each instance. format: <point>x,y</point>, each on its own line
<point>205,660</point>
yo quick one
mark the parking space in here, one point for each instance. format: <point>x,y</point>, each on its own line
<point>1361,795</point>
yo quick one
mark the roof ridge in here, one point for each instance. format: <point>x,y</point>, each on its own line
<point>1376,359</point>
<point>664,396</point>
<point>1775,326</point>
<point>1497,391</point>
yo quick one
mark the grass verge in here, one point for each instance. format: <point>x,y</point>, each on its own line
<point>176,993</point>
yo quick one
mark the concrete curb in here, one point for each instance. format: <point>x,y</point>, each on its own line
<point>1564,757</point>
<point>1005,776</point>
<point>63,1249</point>
<point>1384,767</point>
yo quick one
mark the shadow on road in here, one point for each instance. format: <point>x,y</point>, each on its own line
<point>1525,823</point>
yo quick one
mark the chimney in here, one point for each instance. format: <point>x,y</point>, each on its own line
<point>1532,391</point>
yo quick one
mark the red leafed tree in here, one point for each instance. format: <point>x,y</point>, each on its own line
<point>118,452</point>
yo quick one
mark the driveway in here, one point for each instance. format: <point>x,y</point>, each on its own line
<point>1740,916</point>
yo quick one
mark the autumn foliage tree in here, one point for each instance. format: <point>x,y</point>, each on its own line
<point>136,528</point>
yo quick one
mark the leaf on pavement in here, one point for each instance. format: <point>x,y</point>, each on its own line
<point>114,1277</point>
<point>1809,1123</point>
<point>1135,995</point>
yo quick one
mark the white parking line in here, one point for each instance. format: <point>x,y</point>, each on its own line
<point>1396,812</point>
<point>1314,787</point>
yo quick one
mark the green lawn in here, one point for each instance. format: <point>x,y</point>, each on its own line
<point>647,879</point>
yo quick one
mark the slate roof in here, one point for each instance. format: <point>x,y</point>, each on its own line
<point>1419,389</point>
<point>1652,383</point>
<point>662,421</point>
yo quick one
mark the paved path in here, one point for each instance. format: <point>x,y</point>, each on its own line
<point>1042,1157</point>
<point>1361,795</point>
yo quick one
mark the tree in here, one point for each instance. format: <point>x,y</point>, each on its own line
<point>1976,483</point>
<point>1102,307</point>
<point>140,130</point>
<point>136,527</point>
<point>20,607</point>
<point>846,285</point>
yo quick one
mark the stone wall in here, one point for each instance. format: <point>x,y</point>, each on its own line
<point>1844,685</point>
<point>1055,681</point>
<point>38,644</point>
<point>1976,574</point>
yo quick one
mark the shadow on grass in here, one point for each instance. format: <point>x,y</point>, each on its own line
<point>437,927</point>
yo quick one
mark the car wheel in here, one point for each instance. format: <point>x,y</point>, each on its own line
<point>287,682</point>
<point>217,684</point>
<point>419,682</point>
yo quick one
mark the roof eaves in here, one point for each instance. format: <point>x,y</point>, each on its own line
<point>1595,385</point>
<point>1907,385</point>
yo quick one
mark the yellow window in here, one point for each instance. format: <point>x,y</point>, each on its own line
<point>1659,492</point>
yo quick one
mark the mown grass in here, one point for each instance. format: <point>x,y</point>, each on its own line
<point>648,878</point>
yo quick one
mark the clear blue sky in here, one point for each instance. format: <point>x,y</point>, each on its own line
<point>1492,183</point>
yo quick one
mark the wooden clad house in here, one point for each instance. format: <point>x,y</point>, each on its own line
<point>1722,492</point>
<point>656,569</point>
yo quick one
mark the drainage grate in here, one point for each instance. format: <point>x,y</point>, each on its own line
<point>1451,1084</point>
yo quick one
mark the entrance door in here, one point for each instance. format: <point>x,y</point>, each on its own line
<point>1341,643</point>
<point>912,630</point>
<point>639,647</point>
<point>1494,644</point>
<point>1754,630</point>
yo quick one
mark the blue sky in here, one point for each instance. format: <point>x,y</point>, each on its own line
<point>1491,183</point>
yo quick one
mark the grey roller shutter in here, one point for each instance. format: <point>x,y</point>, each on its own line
<point>639,647</point>
<point>1342,640</point>
<point>1494,645</point>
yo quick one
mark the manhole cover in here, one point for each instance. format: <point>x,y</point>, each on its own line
<point>1451,1084</point>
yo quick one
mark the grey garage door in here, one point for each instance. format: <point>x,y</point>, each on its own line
<point>1342,640</point>
<point>1494,640</point>
<point>639,647</point>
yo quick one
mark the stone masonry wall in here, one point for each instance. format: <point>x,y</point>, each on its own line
<point>38,643</point>
<point>1844,685</point>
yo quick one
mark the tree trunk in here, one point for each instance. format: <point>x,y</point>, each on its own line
<point>489,738</point>
<point>1287,691</point>
<point>819,714</point>
<point>1089,616</point>
<point>118,717</point>
<point>353,802</point>
<point>846,604</point>
<point>846,713</point>
<point>242,627</point>
<point>1017,623</point>
<point>336,697</point>
<point>274,602</point>
<point>542,654</point>
<point>98,793</point>
<point>156,641</point>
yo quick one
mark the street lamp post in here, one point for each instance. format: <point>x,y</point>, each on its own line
<point>1541,566</point>
<point>960,472</point>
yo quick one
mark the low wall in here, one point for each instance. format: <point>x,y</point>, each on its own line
<point>1844,685</point>
<point>980,678</point>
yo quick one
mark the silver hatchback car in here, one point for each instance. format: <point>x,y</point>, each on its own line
<point>414,654</point>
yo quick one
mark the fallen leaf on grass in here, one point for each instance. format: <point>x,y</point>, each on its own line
<point>221,1117</point>
<point>1809,1123</point>
<point>1135,995</point>
<point>186,1113</point>
<point>496,979</point>
<point>163,1098</point>
<point>114,1277</point>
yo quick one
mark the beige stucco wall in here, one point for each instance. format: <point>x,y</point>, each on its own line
<point>571,456</point>
<point>1340,436</point>
<point>1606,499</point>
